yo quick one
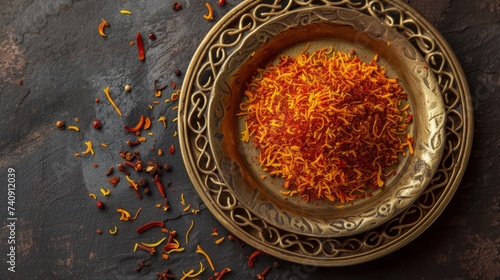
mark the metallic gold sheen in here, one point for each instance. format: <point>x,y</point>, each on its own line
<point>438,169</point>
<point>340,29</point>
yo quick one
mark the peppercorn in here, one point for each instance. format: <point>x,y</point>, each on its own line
<point>166,166</point>
<point>221,2</point>
<point>147,190</point>
<point>96,124</point>
<point>60,125</point>
<point>177,72</point>
<point>152,36</point>
<point>276,264</point>
<point>142,182</point>
<point>97,100</point>
<point>100,204</point>
<point>177,6</point>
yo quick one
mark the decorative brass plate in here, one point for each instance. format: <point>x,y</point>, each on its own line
<point>345,30</point>
<point>386,230</point>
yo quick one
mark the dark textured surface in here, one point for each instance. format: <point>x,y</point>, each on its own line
<point>53,64</point>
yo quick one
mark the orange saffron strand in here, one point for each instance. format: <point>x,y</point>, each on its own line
<point>326,122</point>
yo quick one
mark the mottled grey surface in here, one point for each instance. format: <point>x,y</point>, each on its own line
<point>53,64</point>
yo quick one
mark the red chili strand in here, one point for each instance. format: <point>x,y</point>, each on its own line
<point>136,191</point>
<point>150,225</point>
<point>252,257</point>
<point>141,120</point>
<point>140,46</point>
<point>222,273</point>
<point>159,185</point>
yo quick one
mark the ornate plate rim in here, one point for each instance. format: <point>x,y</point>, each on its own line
<point>372,244</point>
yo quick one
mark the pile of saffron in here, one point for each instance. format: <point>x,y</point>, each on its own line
<point>328,123</point>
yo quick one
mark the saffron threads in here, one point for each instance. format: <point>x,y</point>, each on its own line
<point>201,251</point>
<point>101,27</point>
<point>188,231</point>
<point>108,95</point>
<point>327,123</point>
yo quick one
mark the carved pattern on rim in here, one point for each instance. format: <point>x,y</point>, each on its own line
<point>317,250</point>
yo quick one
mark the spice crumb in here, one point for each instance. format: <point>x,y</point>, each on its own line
<point>219,241</point>
<point>60,125</point>
<point>114,230</point>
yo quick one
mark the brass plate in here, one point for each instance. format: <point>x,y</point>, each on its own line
<point>310,247</point>
<point>344,30</point>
